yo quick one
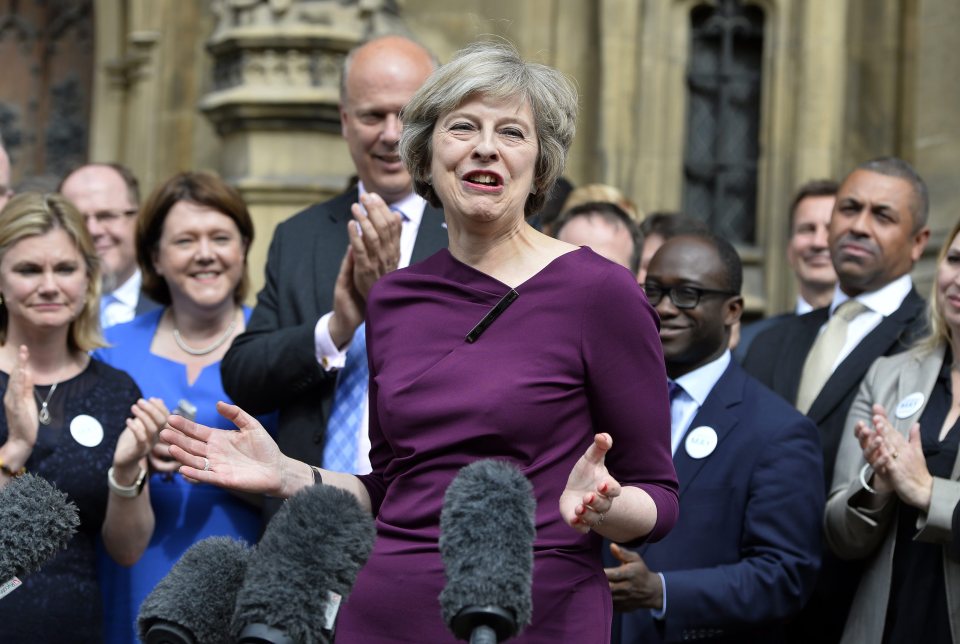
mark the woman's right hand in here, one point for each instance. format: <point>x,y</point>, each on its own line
<point>247,459</point>
<point>20,408</point>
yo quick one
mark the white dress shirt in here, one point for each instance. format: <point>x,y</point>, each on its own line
<point>697,385</point>
<point>120,304</point>
<point>880,303</point>
<point>328,355</point>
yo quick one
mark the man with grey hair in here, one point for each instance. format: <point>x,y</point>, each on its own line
<point>303,352</point>
<point>6,191</point>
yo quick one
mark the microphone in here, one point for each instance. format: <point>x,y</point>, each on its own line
<point>487,527</point>
<point>194,602</point>
<point>36,521</point>
<point>306,563</point>
<point>492,315</point>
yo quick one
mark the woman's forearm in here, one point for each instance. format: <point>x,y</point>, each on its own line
<point>632,515</point>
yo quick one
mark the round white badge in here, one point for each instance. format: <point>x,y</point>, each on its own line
<point>700,442</point>
<point>86,430</point>
<point>909,405</point>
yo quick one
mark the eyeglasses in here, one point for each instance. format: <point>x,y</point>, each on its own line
<point>109,217</point>
<point>683,297</point>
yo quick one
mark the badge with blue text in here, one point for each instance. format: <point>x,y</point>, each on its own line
<point>86,430</point>
<point>700,442</point>
<point>909,405</point>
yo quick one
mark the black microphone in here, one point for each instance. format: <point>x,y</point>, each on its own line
<point>306,563</point>
<point>487,527</point>
<point>492,315</point>
<point>36,521</point>
<point>193,604</point>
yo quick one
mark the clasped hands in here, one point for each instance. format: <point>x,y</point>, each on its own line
<point>373,252</point>
<point>898,463</point>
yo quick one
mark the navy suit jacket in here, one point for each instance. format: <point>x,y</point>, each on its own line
<point>744,555</point>
<point>273,364</point>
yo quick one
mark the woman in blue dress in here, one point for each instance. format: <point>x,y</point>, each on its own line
<point>192,241</point>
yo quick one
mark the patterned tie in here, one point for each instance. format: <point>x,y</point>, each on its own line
<point>818,366</point>
<point>343,428</point>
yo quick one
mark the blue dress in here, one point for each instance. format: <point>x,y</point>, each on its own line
<point>185,512</point>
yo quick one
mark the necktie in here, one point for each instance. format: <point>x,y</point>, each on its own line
<point>343,427</point>
<point>676,414</point>
<point>818,366</point>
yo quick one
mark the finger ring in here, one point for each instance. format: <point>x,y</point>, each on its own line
<point>895,455</point>
<point>206,464</point>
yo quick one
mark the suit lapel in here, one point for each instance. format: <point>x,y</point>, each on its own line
<point>878,342</point>
<point>715,413</point>
<point>431,236</point>
<point>786,379</point>
<point>335,214</point>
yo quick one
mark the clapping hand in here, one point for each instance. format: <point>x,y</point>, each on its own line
<point>19,405</point>
<point>590,489</point>
<point>141,433</point>
<point>246,460</point>
<point>898,463</point>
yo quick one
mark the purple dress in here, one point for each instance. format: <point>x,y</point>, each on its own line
<point>577,353</point>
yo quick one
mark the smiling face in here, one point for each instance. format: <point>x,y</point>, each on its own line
<point>101,196</point>
<point>43,280</point>
<point>809,251</point>
<point>948,287</point>
<point>200,255</point>
<point>872,236</point>
<point>382,77</point>
<point>692,337</point>
<point>484,156</point>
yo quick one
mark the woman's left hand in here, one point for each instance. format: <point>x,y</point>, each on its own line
<point>902,461</point>
<point>590,489</point>
<point>141,433</point>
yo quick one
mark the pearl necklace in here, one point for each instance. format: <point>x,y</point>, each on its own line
<point>208,349</point>
<point>44,415</point>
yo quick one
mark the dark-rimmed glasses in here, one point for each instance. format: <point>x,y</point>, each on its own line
<point>683,297</point>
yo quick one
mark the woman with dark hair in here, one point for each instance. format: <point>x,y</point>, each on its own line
<point>192,238</point>
<point>896,484</point>
<point>66,416</point>
<point>567,382</point>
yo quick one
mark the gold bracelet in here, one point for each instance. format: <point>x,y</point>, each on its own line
<point>11,473</point>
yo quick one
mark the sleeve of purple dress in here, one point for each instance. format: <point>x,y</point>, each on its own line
<point>627,389</point>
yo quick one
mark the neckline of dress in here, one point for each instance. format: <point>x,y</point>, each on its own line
<point>546,268</point>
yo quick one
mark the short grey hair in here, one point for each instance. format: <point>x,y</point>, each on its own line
<point>900,169</point>
<point>496,70</point>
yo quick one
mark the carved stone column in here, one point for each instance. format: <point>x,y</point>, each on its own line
<point>274,100</point>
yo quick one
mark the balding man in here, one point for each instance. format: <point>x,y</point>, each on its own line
<point>108,196</point>
<point>300,335</point>
<point>605,228</point>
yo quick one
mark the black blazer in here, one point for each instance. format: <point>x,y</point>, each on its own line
<point>273,364</point>
<point>776,359</point>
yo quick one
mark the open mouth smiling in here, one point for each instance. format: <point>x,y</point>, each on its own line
<point>483,179</point>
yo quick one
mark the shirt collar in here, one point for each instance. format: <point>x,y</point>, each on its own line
<point>411,206</point>
<point>884,300</point>
<point>802,306</point>
<point>129,292</point>
<point>700,382</point>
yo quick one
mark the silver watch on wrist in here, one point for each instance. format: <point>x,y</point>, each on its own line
<point>127,491</point>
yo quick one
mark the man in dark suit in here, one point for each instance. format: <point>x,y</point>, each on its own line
<point>808,253</point>
<point>744,554</point>
<point>816,361</point>
<point>108,197</point>
<point>313,300</point>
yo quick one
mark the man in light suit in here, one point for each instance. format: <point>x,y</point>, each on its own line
<point>744,555</point>
<point>108,196</point>
<point>877,233</point>
<point>314,297</point>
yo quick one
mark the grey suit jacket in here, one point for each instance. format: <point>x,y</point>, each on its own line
<point>856,533</point>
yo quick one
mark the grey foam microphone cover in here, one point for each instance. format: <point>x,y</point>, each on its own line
<point>487,528</point>
<point>196,599</point>
<point>36,521</point>
<point>314,546</point>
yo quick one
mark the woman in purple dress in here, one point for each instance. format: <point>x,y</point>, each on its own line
<point>568,384</point>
